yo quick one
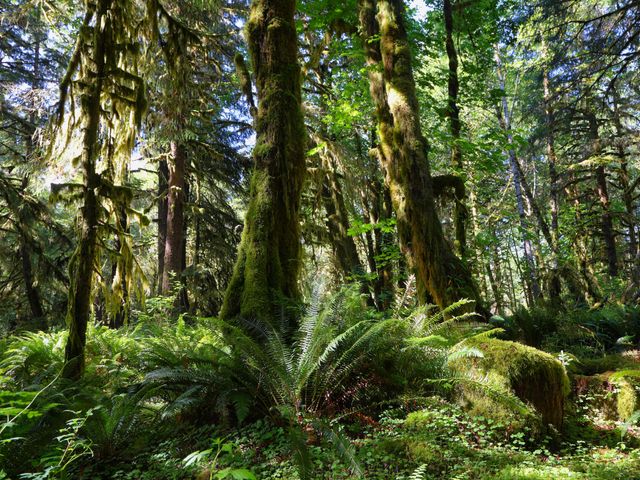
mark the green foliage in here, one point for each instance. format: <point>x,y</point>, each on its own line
<point>33,358</point>
<point>217,456</point>
<point>70,448</point>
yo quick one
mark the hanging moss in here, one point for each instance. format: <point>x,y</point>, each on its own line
<point>535,377</point>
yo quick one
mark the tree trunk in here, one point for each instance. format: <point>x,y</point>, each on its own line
<point>344,248</point>
<point>608,233</point>
<point>173,247</point>
<point>554,204</point>
<point>439,273</point>
<point>517,178</point>
<point>267,268</point>
<point>163,185</point>
<point>31,288</point>
<point>84,257</point>
<point>628,199</point>
<point>453,113</point>
<point>591,286</point>
<point>33,295</point>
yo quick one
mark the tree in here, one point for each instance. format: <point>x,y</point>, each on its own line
<point>111,93</point>
<point>269,256</point>
<point>440,275</point>
<point>453,113</point>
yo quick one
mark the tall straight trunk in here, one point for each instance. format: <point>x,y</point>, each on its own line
<point>590,282</point>
<point>627,193</point>
<point>183,296</point>
<point>84,258</point>
<point>476,254</point>
<point>173,247</point>
<point>495,287</point>
<point>265,277</point>
<point>453,113</point>
<point>30,285</point>
<point>608,233</point>
<point>377,208</point>
<point>554,204</point>
<point>343,245</point>
<point>504,118</point>
<point>497,278</point>
<point>403,152</point>
<point>163,185</point>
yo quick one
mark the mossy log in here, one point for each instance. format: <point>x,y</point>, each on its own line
<point>535,377</point>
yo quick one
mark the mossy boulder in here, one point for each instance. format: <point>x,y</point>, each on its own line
<point>508,368</point>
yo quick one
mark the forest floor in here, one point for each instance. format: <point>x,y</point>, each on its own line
<point>436,442</point>
<point>113,425</point>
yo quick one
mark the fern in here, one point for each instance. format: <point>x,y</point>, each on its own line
<point>631,421</point>
<point>419,473</point>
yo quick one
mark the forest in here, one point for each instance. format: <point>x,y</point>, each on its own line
<point>319,239</point>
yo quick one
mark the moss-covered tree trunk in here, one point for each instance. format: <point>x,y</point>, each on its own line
<point>82,266</point>
<point>630,220</point>
<point>337,220</point>
<point>121,270</point>
<point>31,289</point>
<point>383,241</point>
<point>606,219</point>
<point>266,272</point>
<point>440,275</point>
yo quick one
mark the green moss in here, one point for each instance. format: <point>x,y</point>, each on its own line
<point>535,377</point>
<point>628,386</point>
<point>419,420</point>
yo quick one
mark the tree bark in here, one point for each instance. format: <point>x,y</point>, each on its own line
<point>31,288</point>
<point>173,247</point>
<point>453,113</point>
<point>84,257</point>
<point>163,185</point>
<point>265,276</point>
<point>119,314</point>
<point>33,295</point>
<point>628,197</point>
<point>608,233</point>
<point>591,286</point>
<point>337,220</point>
<point>403,152</point>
